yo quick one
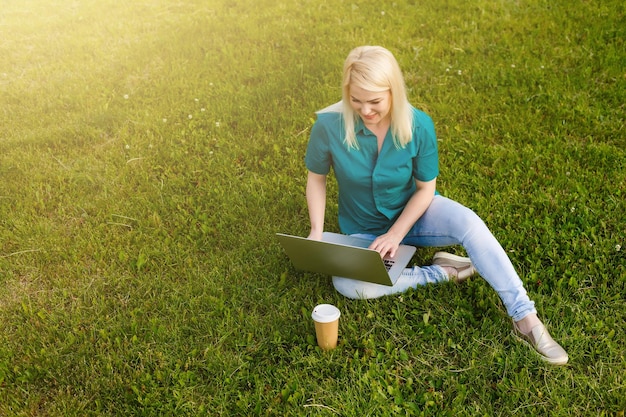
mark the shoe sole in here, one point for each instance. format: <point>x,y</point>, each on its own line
<point>451,260</point>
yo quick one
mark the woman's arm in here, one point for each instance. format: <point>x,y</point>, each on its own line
<point>415,207</point>
<point>316,201</point>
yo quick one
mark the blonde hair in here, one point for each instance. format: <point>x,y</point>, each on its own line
<point>375,69</point>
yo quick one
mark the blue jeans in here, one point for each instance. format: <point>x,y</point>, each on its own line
<point>447,223</point>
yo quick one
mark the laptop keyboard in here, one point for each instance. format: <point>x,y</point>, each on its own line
<point>388,263</point>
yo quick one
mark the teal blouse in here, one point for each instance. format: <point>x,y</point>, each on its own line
<point>373,188</point>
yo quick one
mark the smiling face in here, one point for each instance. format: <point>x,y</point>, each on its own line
<point>373,107</point>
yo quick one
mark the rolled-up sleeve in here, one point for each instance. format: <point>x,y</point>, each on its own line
<point>318,158</point>
<point>426,162</point>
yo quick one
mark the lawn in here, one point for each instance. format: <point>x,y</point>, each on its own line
<point>149,151</point>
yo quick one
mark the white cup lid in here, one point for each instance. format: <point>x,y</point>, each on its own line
<point>325,313</point>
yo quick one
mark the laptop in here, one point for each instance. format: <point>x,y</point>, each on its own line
<point>345,256</point>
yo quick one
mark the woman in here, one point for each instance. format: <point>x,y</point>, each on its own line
<point>384,156</point>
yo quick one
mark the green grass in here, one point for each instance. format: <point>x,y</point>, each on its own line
<point>150,151</point>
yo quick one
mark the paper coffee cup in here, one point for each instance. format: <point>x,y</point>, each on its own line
<point>326,318</point>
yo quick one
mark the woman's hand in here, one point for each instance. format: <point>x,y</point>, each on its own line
<point>315,236</point>
<point>386,244</point>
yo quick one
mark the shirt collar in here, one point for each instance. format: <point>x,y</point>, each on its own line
<point>359,126</point>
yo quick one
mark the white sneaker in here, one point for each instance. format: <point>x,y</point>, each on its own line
<point>540,340</point>
<point>463,266</point>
